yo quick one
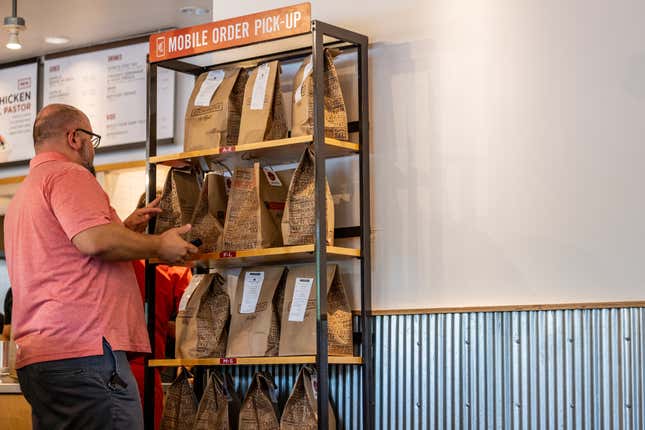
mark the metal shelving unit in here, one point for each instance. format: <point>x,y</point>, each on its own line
<point>291,48</point>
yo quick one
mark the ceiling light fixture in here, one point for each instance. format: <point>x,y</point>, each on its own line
<point>194,10</point>
<point>14,41</point>
<point>57,40</point>
<point>14,24</point>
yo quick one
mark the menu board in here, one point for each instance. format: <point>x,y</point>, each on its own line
<point>18,94</point>
<point>110,87</point>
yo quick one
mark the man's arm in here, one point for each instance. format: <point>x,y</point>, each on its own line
<point>115,242</point>
<point>83,210</point>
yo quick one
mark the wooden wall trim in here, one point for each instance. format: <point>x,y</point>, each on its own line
<point>102,168</point>
<point>121,166</point>
<point>508,308</point>
<point>11,180</point>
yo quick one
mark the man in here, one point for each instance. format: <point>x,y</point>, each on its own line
<point>77,308</point>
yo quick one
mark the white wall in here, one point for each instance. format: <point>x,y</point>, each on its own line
<point>507,148</point>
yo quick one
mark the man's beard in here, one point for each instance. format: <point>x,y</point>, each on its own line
<point>85,157</point>
<point>90,168</point>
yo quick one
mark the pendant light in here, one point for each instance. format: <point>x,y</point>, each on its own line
<point>14,24</point>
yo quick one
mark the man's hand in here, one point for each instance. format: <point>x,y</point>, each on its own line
<point>138,220</point>
<point>173,248</point>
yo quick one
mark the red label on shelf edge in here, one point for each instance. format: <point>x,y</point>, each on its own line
<point>228,33</point>
<point>225,149</point>
<point>228,361</point>
<point>227,254</point>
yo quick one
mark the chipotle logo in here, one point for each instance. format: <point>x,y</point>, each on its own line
<point>160,50</point>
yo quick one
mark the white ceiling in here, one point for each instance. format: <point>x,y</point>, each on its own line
<point>89,22</point>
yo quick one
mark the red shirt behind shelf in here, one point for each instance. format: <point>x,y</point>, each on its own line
<point>170,285</point>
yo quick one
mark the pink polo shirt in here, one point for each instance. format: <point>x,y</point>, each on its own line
<point>65,302</point>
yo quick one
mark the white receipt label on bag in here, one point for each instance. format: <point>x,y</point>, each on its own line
<point>194,283</point>
<point>251,293</point>
<point>208,88</point>
<point>305,74</point>
<point>272,178</point>
<point>260,87</point>
<point>300,299</point>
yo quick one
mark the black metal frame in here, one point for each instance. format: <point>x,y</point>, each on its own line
<point>345,39</point>
<point>150,269</point>
<point>131,40</point>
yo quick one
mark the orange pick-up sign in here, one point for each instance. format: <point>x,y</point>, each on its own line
<point>228,33</point>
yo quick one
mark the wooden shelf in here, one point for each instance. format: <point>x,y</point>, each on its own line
<point>249,361</point>
<point>256,257</point>
<point>280,151</point>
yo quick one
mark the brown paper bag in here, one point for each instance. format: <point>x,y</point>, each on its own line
<point>299,218</point>
<point>303,101</point>
<point>275,191</point>
<point>255,320</point>
<point>301,410</point>
<point>298,328</point>
<point>210,214</point>
<point>214,109</point>
<point>181,405</point>
<point>203,318</point>
<point>219,407</point>
<point>254,211</point>
<point>263,116</point>
<point>180,193</point>
<point>259,408</point>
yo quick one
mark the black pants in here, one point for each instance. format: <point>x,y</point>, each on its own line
<point>87,393</point>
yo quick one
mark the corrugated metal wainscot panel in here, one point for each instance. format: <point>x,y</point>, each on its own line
<point>570,369</point>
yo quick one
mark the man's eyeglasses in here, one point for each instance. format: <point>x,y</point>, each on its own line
<point>94,138</point>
